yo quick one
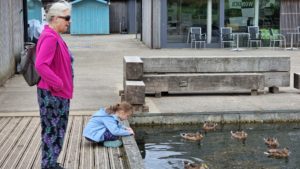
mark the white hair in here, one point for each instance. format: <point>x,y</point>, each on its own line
<point>57,9</point>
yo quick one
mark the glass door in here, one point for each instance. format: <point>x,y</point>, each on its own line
<point>183,14</point>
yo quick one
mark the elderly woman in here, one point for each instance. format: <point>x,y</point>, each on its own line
<point>55,89</point>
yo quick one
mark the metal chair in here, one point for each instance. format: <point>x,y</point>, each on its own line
<point>226,36</point>
<point>254,36</point>
<point>276,38</point>
<point>197,37</point>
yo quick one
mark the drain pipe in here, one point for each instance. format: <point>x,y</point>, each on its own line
<point>256,12</point>
<point>209,21</point>
<point>25,20</point>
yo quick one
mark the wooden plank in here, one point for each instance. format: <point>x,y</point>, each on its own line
<point>101,157</point>
<point>22,144</point>
<point>122,158</point>
<point>134,158</point>
<point>87,152</point>
<point>33,153</point>
<point>38,159</point>
<point>115,158</point>
<point>3,122</point>
<point>63,152</point>
<point>73,151</point>
<point>10,142</point>
<point>8,129</point>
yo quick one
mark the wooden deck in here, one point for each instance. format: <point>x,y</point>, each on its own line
<point>20,146</point>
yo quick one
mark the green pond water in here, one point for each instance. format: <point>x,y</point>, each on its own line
<point>163,148</point>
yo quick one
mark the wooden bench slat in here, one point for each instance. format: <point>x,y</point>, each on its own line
<point>72,157</point>
<point>114,158</point>
<point>33,152</point>
<point>21,145</point>
<point>3,122</point>
<point>12,139</point>
<point>87,152</point>
<point>8,129</point>
<point>62,156</point>
<point>37,160</point>
<point>101,157</point>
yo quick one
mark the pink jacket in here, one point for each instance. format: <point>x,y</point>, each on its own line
<point>53,64</point>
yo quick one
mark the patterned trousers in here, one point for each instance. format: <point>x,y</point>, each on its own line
<point>54,112</point>
<point>107,137</point>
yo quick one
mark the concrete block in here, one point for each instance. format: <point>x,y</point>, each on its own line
<point>203,82</point>
<point>279,79</point>
<point>138,108</point>
<point>274,89</point>
<point>133,68</point>
<point>297,80</point>
<point>135,92</point>
<point>155,84</point>
<point>215,64</point>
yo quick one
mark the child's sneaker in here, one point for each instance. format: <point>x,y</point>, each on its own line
<point>112,144</point>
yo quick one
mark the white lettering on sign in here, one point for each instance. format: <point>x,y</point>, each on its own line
<point>243,4</point>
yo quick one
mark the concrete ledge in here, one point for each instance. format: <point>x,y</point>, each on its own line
<point>203,82</point>
<point>216,64</point>
<point>220,117</point>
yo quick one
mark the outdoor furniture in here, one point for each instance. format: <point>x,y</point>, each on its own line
<point>226,36</point>
<point>276,38</point>
<point>292,40</point>
<point>203,74</point>
<point>197,37</point>
<point>254,36</point>
<point>237,34</point>
<point>298,30</point>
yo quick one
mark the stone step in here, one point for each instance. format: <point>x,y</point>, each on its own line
<point>205,82</point>
<point>134,92</point>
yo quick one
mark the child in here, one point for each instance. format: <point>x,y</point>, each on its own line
<point>104,126</point>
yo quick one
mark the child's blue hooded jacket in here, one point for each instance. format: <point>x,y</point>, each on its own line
<point>99,122</point>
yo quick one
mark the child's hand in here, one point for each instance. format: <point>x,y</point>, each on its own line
<point>130,130</point>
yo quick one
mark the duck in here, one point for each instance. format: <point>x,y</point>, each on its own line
<point>271,142</point>
<point>188,165</point>
<point>209,126</point>
<point>192,136</point>
<point>278,153</point>
<point>240,135</point>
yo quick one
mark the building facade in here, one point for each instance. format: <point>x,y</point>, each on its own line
<point>166,23</point>
<point>11,36</point>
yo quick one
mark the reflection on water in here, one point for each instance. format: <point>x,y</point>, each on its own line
<point>163,148</point>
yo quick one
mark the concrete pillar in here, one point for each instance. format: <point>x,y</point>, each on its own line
<point>222,13</point>
<point>209,21</point>
<point>256,12</point>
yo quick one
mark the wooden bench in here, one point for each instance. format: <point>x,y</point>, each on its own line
<point>207,74</point>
